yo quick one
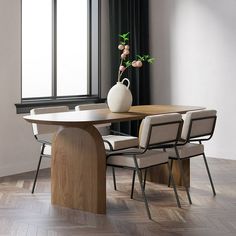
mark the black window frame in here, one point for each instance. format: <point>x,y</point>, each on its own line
<point>94,77</point>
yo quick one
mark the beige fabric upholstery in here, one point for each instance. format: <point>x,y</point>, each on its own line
<point>187,150</point>
<point>117,141</point>
<point>46,137</point>
<point>120,142</point>
<point>149,158</point>
<point>47,150</point>
<point>102,128</point>
<point>93,106</point>
<point>199,127</point>
<point>160,133</point>
<point>46,129</point>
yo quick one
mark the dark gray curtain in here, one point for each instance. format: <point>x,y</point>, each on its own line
<point>131,16</point>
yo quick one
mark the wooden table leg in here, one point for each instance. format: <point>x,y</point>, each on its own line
<point>160,174</point>
<point>79,169</point>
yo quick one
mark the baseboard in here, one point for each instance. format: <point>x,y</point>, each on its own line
<point>224,158</point>
<point>21,167</point>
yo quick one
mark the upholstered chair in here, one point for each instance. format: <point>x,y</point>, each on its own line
<point>44,134</point>
<point>156,134</point>
<point>198,127</point>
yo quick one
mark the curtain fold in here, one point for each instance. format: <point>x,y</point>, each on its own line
<point>131,16</point>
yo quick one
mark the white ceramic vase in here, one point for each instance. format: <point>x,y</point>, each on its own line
<point>119,98</point>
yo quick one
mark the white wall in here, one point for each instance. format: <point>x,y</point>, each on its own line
<point>194,42</point>
<point>18,150</point>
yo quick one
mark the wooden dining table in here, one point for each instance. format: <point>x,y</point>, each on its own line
<point>78,168</point>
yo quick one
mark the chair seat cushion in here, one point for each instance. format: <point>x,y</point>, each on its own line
<point>187,150</point>
<point>48,139</point>
<point>45,137</point>
<point>47,150</point>
<point>149,158</point>
<point>120,142</point>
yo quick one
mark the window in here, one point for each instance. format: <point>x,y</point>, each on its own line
<point>36,48</point>
<point>72,48</point>
<point>60,42</point>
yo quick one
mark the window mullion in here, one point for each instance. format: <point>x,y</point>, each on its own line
<point>54,48</point>
<point>89,46</point>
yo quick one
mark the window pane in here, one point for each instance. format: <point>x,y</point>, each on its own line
<point>36,48</point>
<point>72,47</point>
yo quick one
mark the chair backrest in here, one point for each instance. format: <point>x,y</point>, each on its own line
<point>39,129</point>
<point>199,124</point>
<point>103,128</point>
<point>91,106</point>
<point>160,129</point>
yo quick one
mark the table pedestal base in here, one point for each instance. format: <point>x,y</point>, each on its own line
<point>160,174</point>
<point>79,169</point>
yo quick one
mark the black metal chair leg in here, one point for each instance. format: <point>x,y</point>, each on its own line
<point>144,179</point>
<point>171,166</point>
<point>209,174</point>
<point>133,181</point>
<point>182,175</point>
<point>141,186</point>
<point>37,171</point>
<point>114,177</point>
<point>174,186</point>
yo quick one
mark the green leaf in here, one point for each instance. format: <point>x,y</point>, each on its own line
<point>151,60</point>
<point>140,58</point>
<point>146,57</point>
<point>128,63</point>
<point>126,34</point>
<point>124,38</point>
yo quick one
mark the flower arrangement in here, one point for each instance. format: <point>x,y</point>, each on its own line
<point>125,63</point>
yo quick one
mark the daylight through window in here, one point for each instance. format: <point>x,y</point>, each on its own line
<point>55,48</point>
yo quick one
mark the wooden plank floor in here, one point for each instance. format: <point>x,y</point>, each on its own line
<point>22,213</point>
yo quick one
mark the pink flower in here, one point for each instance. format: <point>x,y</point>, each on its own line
<point>127,47</point>
<point>126,52</point>
<point>121,47</point>
<point>139,64</point>
<point>122,68</point>
<point>123,56</point>
<point>134,63</point>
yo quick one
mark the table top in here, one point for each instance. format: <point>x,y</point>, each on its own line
<point>100,116</point>
<point>163,109</point>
